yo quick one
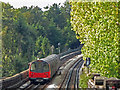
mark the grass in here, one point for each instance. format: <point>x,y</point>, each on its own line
<point>83,82</point>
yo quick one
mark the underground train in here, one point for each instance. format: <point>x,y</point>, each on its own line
<point>43,69</point>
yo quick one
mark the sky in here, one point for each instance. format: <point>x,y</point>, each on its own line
<point>28,3</point>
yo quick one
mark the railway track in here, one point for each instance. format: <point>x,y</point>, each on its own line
<point>21,78</point>
<point>71,79</point>
<point>30,86</point>
<point>33,87</point>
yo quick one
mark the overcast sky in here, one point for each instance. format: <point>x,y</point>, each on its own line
<point>40,3</point>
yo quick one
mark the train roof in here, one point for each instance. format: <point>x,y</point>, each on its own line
<point>48,59</point>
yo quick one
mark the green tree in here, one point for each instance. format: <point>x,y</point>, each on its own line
<point>96,25</point>
<point>18,39</point>
<point>42,47</point>
<point>30,32</point>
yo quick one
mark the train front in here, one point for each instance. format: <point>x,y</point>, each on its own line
<point>39,71</point>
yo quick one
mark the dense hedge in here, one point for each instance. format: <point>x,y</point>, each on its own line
<point>97,26</point>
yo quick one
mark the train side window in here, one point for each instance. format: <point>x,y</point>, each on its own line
<point>45,67</point>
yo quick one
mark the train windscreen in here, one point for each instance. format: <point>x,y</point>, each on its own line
<point>39,67</point>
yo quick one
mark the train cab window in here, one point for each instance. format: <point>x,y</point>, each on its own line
<point>33,67</point>
<point>39,67</point>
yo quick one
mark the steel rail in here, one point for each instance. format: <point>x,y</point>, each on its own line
<point>70,74</point>
<point>76,85</point>
<point>66,74</point>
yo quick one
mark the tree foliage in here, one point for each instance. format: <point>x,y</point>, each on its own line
<point>97,26</point>
<point>29,32</point>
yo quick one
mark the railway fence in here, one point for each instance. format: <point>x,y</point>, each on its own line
<point>22,77</point>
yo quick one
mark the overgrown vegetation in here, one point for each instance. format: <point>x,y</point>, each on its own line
<point>83,81</point>
<point>97,26</point>
<point>30,32</point>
